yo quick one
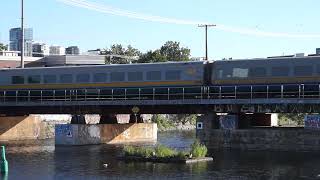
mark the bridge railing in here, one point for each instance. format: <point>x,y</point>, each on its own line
<point>297,91</point>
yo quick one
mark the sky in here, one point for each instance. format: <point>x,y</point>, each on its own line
<point>245,28</point>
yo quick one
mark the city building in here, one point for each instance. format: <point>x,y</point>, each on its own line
<point>57,50</point>
<point>72,50</point>
<point>15,40</point>
<point>318,51</point>
<point>40,50</point>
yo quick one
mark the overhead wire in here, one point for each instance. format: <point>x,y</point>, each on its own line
<point>135,15</point>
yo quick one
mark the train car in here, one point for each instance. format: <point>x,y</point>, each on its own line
<point>104,76</point>
<point>285,77</point>
<point>290,70</point>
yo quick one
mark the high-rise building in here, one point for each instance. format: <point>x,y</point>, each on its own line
<point>57,50</point>
<point>15,40</point>
<point>72,50</point>
<point>40,50</point>
<point>318,51</point>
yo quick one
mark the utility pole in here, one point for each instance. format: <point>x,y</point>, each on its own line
<point>22,35</point>
<point>206,28</point>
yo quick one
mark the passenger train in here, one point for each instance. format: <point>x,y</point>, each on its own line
<point>289,70</point>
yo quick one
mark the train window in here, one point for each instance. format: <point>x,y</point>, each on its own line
<point>318,69</point>
<point>154,75</point>
<point>173,75</point>
<point>258,72</point>
<point>240,72</point>
<point>66,78</point>
<point>303,70</point>
<point>135,76</point>
<point>17,80</point>
<point>35,79</point>
<point>83,78</point>
<point>280,71</point>
<point>100,77</point>
<point>117,76</point>
<point>47,79</point>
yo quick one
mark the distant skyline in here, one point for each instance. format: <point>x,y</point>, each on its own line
<point>245,29</point>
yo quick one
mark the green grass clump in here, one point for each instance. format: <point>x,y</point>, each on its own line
<point>164,152</point>
<point>198,150</point>
<point>138,151</point>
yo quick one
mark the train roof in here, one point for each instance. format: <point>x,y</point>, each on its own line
<point>273,58</point>
<point>109,65</point>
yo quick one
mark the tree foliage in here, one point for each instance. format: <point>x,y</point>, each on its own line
<point>170,51</point>
<point>117,54</point>
<point>3,47</point>
<point>295,119</point>
<point>173,52</point>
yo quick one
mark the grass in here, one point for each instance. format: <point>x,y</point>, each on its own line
<point>198,150</point>
<point>162,152</point>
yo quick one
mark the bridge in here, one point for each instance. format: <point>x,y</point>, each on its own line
<point>296,98</point>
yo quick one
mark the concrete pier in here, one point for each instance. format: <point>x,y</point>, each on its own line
<point>79,134</point>
<point>17,128</point>
<point>254,132</point>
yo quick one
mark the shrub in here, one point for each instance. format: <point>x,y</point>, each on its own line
<point>198,150</point>
<point>164,152</point>
<point>182,155</point>
<point>138,151</point>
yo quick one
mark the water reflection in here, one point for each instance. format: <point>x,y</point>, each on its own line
<point>44,161</point>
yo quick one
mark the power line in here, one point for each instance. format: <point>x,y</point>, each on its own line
<point>146,17</point>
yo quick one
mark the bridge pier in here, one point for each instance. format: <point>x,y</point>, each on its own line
<point>21,128</point>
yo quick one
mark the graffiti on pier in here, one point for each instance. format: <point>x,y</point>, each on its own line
<point>63,130</point>
<point>312,121</point>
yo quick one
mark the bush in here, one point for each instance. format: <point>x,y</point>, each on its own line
<point>164,152</point>
<point>138,151</point>
<point>198,150</point>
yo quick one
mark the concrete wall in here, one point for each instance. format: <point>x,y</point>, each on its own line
<point>278,139</point>
<point>272,138</point>
<point>72,134</point>
<point>24,128</point>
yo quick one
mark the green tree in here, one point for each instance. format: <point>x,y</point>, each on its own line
<point>151,57</point>
<point>117,54</point>
<point>291,119</point>
<point>173,52</point>
<point>3,47</point>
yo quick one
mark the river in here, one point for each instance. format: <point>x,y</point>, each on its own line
<point>42,160</point>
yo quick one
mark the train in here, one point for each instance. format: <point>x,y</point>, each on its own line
<point>267,71</point>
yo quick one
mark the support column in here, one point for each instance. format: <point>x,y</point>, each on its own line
<point>78,119</point>
<point>134,118</point>
<point>108,119</point>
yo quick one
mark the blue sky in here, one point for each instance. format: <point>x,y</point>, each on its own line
<point>55,22</point>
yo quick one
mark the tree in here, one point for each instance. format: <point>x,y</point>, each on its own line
<point>173,52</point>
<point>3,47</point>
<point>291,119</point>
<point>120,55</point>
<point>151,57</point>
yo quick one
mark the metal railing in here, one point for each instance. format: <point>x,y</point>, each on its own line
<point>287,91</point>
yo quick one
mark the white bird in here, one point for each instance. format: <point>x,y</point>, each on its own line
<point>105,165</point>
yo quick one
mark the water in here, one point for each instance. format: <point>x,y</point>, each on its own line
<point>41,160</point>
